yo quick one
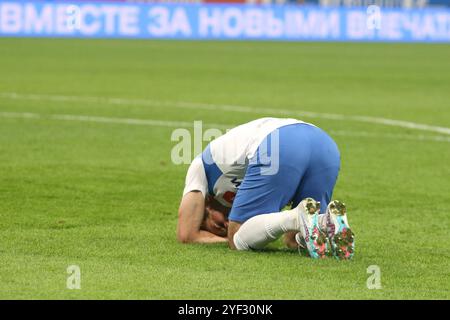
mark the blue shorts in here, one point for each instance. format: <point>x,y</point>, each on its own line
<point>307,166</point>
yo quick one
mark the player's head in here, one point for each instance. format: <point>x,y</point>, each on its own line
<point>216,217</point>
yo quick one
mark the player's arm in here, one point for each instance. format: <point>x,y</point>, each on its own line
<point>190,217</point>
<point>192,207</point>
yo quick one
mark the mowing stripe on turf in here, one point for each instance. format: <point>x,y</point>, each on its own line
<point>242,109</point>
<point>185,124</point>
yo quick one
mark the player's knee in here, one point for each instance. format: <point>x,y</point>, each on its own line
<point>238,243</point>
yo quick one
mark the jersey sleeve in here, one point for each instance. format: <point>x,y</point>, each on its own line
<point>196,178</point>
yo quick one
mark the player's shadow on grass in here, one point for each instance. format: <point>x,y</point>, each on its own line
<point>269,250</point>
<point>272,250</point>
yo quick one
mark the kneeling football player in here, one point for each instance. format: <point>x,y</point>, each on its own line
<point>235,190</point>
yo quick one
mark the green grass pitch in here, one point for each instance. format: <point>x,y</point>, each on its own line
<point>104,196</point>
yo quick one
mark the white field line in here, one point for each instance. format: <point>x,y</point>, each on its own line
<point>185,124</point>
<point>83,118</point>
<point>144,122</point>
<point>215,107</point>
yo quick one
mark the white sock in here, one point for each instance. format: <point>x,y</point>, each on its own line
<point>258,231</point>
<point>323,222</point>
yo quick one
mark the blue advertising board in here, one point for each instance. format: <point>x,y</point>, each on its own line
<point>221,22</point>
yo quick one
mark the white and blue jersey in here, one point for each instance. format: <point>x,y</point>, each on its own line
<point>261,166</point>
